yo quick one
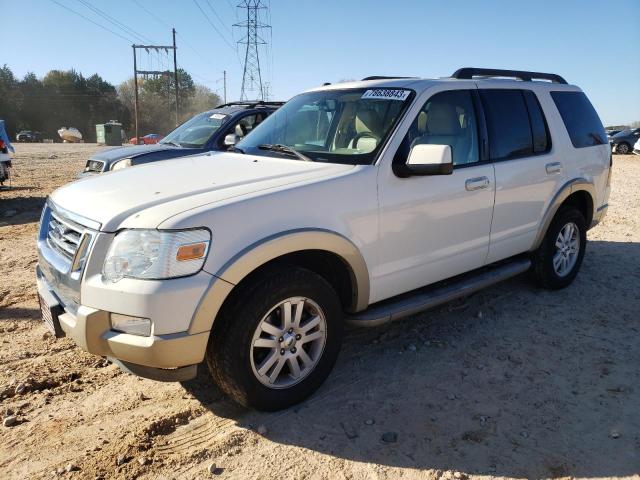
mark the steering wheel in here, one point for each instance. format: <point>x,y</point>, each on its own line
<point>360,135</point>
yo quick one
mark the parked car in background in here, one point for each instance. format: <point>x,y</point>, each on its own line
<point>636,147</point>
<point>150,139</point>
<point>611,133</point>
<point>28,136</point>
<point>5,157</point>
<point>361,203</point>
<point>623,141</point>
<point>202,133</point>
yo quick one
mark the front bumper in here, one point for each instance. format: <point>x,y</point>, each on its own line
<point>90,328</point>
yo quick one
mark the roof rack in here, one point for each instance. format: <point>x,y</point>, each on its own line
<point>382,77</point>
<point>469,73</point>
<point>252,104</point>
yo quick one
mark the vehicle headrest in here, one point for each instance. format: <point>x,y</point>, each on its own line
<point>442,119</point>
<point>367,120</point>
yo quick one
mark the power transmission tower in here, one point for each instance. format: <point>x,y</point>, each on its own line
<point>146,73</point>
<point>252,78</point>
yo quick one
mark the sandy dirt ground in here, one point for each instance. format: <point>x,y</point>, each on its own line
<point>512,382</point>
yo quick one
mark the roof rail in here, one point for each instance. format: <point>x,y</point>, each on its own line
<point>382,77</point>
<point>251,103</point>
<point>469,73</point>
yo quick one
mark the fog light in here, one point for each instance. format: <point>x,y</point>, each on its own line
<point>132,325</point>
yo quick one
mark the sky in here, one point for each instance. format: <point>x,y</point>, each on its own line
<point>593,44</point>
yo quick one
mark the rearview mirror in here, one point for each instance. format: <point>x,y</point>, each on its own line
<point>231,139</point>
<point>427,159</point>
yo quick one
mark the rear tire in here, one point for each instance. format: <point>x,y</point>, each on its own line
<point>557,262</point>
<point>623,148</point>
<point>259,359</point>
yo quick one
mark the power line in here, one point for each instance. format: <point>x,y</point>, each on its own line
<point>115,22</point>
<point>88,19</point>
<point>162,22</point>
<point>184,40</point>
<point>158,19</point>
<point>212,25</point>
<point>218,17</point>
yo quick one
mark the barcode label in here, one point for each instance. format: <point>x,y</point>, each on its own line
<point>386,94</point>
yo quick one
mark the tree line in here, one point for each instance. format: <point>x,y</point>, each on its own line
<point>69,99</point>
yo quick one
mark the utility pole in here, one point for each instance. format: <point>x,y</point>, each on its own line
<point>175,70</point>
<point>135,81</point>
<point>252,77</point>
<point>224,80</point>
<point>166,73</point>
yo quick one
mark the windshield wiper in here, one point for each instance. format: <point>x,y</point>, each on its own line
<point>235,149</point>
<point>278,147</point>
<point>175,144</point>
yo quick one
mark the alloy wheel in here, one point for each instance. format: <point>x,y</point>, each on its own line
<point>288,342</point>
<point>567,249</point>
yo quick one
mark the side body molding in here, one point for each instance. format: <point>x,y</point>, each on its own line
<point>270,248</point>
<point>572,186</point>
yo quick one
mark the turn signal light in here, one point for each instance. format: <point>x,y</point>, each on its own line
<point>192,251</point>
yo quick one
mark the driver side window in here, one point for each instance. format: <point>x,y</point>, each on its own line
<point>447,118</point>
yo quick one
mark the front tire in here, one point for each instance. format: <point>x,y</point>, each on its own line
<point>277,339</point>
<point>557,262</point>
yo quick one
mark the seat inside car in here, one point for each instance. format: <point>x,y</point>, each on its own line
<point>368,127</point>
<point>444,125</point>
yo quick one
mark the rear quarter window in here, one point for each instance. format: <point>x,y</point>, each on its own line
<point>580,118</point>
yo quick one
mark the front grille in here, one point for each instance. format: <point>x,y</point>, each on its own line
<point>94,166</point>
<point>63,236</point>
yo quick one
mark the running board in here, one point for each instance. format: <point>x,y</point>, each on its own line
<point>431,296</point>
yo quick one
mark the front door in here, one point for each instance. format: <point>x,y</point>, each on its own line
<point>435,227</point>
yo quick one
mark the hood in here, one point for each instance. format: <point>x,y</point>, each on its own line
<point>182,184</point>
<point>117,153</point>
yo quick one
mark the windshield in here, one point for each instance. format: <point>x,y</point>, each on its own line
<point>196,132</point>
<point>336,126</point>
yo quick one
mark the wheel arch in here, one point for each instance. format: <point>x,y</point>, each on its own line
<point>327,253</point>
<point>578,192</point>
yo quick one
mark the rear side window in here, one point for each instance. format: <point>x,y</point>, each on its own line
<point>583,124</point>
<point>507,124</point>
<point>539,129</point>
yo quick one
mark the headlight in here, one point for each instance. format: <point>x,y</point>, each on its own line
<point>156,254</point>
<point>119,165</point>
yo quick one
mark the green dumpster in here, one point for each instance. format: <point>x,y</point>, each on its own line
<point>109,133</point>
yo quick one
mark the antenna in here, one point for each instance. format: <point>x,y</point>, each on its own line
<point>252,78</point>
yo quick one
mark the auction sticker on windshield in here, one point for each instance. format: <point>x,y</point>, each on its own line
<point>218,116</point>
<point>386,94</point>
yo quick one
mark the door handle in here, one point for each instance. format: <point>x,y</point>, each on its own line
<point>477,183</point>
<point>554,167</point>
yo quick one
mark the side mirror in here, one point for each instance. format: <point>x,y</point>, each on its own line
<point>231,139</point>
<point>427,159</point>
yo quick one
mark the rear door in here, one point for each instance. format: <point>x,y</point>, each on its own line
<point>527,170</point>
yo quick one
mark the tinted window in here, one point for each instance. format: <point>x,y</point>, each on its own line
<point>507,123</point>
<point>447,118</point>
<point>539,130</point>
<point>580,118</point>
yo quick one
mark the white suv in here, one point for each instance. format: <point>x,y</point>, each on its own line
<point>352,203</point>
